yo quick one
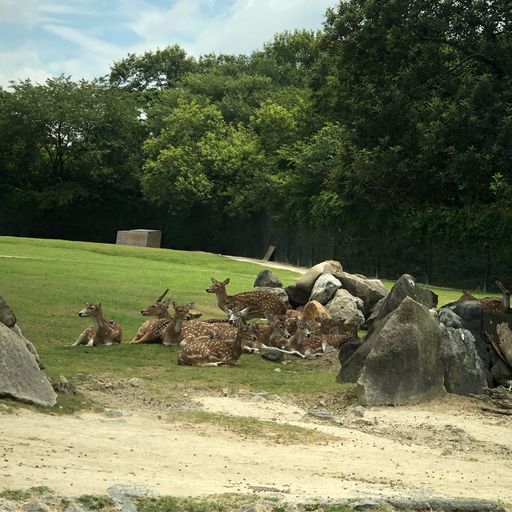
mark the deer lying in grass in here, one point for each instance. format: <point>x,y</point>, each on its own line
<point>330,333</point>
<point>103,332</point>
<point>149,331</point>
<point>208,351</point>
<point>167,330</point>
<point>491,304</point>
<point>258,302</point>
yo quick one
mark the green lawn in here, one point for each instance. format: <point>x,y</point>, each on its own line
<point>47,282</point>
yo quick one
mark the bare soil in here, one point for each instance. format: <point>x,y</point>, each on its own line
<point>447,447</point>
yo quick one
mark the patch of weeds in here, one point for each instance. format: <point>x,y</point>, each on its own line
<point>25,494</point>
<point>222,503</point>
<point>254,428</point>
<point>96,502</point>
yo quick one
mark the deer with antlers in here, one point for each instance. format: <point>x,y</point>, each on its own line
<point>103,332</point>
<point>149,331</point>
<point>209,351</point>
<point>257,302</point>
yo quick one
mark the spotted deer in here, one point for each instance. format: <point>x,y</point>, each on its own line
<point>491,304</point>
<point>167,330</point>
<point>274,333</point>
<point>208,351</point>
<point>258,302</point>
<point>149,331</point>
<point>332,333</point>
<point>103,332</point>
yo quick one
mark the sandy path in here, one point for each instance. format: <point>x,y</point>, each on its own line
<point>88,453</point>
<point>270,264</point>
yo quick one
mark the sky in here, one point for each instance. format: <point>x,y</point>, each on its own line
<point>82,38</point>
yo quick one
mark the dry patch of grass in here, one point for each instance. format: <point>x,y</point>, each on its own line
<point>252,428</point>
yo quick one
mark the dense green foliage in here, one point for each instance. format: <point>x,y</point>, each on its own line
<point>383,141</point>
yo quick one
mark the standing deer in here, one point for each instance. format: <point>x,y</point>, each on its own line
<point>149,331</point>
<point>102,332</point>
<point>258,302</point>
<point>208,351</point>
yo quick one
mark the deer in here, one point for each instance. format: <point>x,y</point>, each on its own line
<point>103,332</point>
<point>331,333</point>
<point>491,304</point>
<point>258,302</point>
<point>209,351</point>
<point>149,331</point>
<point>167,330</point>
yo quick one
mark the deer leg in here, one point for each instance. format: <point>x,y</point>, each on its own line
<point>144,339</point>
<point>82,340</point>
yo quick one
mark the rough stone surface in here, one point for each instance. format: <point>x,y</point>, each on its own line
<point>324,288</point>
<point>280,292</point>
<point>267,279</point>
<point>346,308</point>
<point>307,281</point>
<point>464,372</point>
<point>449,318</point>
<point>403,365</point>
<point>370,291</point>
<point>297,296</point>
<point>20,376</point>
<point>404,287</point>
<point>7,316</point>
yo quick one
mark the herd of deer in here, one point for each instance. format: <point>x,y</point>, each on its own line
<point>221,342</point>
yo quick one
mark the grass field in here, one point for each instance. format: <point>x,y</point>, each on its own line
<point>47,282</point>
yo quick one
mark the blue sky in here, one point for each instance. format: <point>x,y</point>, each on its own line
<point>81,38</point>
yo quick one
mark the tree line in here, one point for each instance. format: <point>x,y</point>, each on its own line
<point>383,140</point>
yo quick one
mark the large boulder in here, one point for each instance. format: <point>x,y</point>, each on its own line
<point>324,288</point>
<point>20,375</point>
<point>403,364</point>
<point>267,279</point>
<point>7,316</point>
<point>464,372</point>
<point>297,296</point>
<point>404,287</point>
<point>346,308</point>
<point>370,291</point>
<point>307,281</point>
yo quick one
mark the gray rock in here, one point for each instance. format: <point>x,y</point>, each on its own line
<point>464,373</point>
<point>307,281</point>
<point>403,362</point>
<point>62,385</point>
<point>358,410</point>
<point>405,287</point>
<point>449,318</point>
<point>20,375</point>
<point>272,354</point>
<point>297,296</point>
<point>346,308</point>
<point>36,506</point>
<point>7,316</point>
<point>268,280</point>
<point>321,414</point>
<point>123,495</point>
<point>112,413</point>
<point>324,288</point>
<point>370,291</point>
<point>136,382</point>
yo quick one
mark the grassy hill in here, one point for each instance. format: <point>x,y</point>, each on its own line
<point>47,282</point>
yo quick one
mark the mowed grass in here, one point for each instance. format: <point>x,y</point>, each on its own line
<point>48,281</point>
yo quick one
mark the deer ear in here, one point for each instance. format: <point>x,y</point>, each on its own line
<point>212,279</point>
<point>226,281</point>
<point>190,305</point>
<point>174,305</point>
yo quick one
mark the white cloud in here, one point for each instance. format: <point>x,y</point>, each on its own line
<point>21,64</point>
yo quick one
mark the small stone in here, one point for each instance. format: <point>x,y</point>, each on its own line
<point>358,410</point>
<point>321,414</point>
<point>112,413</point>
<point>225,391</point>
<point>36,506</point>
<point>136,383</point>
<point>278,370</point>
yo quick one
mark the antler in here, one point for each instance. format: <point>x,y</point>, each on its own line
<point>499,284</point>
<point>162,296</point>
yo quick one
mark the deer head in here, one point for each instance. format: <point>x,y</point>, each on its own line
<point>237,316</point>
<point>90,309</point>
<point>217,286</point>
<point>182,311</point>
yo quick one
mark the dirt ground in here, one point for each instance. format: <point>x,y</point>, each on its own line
<point>447,447</point>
